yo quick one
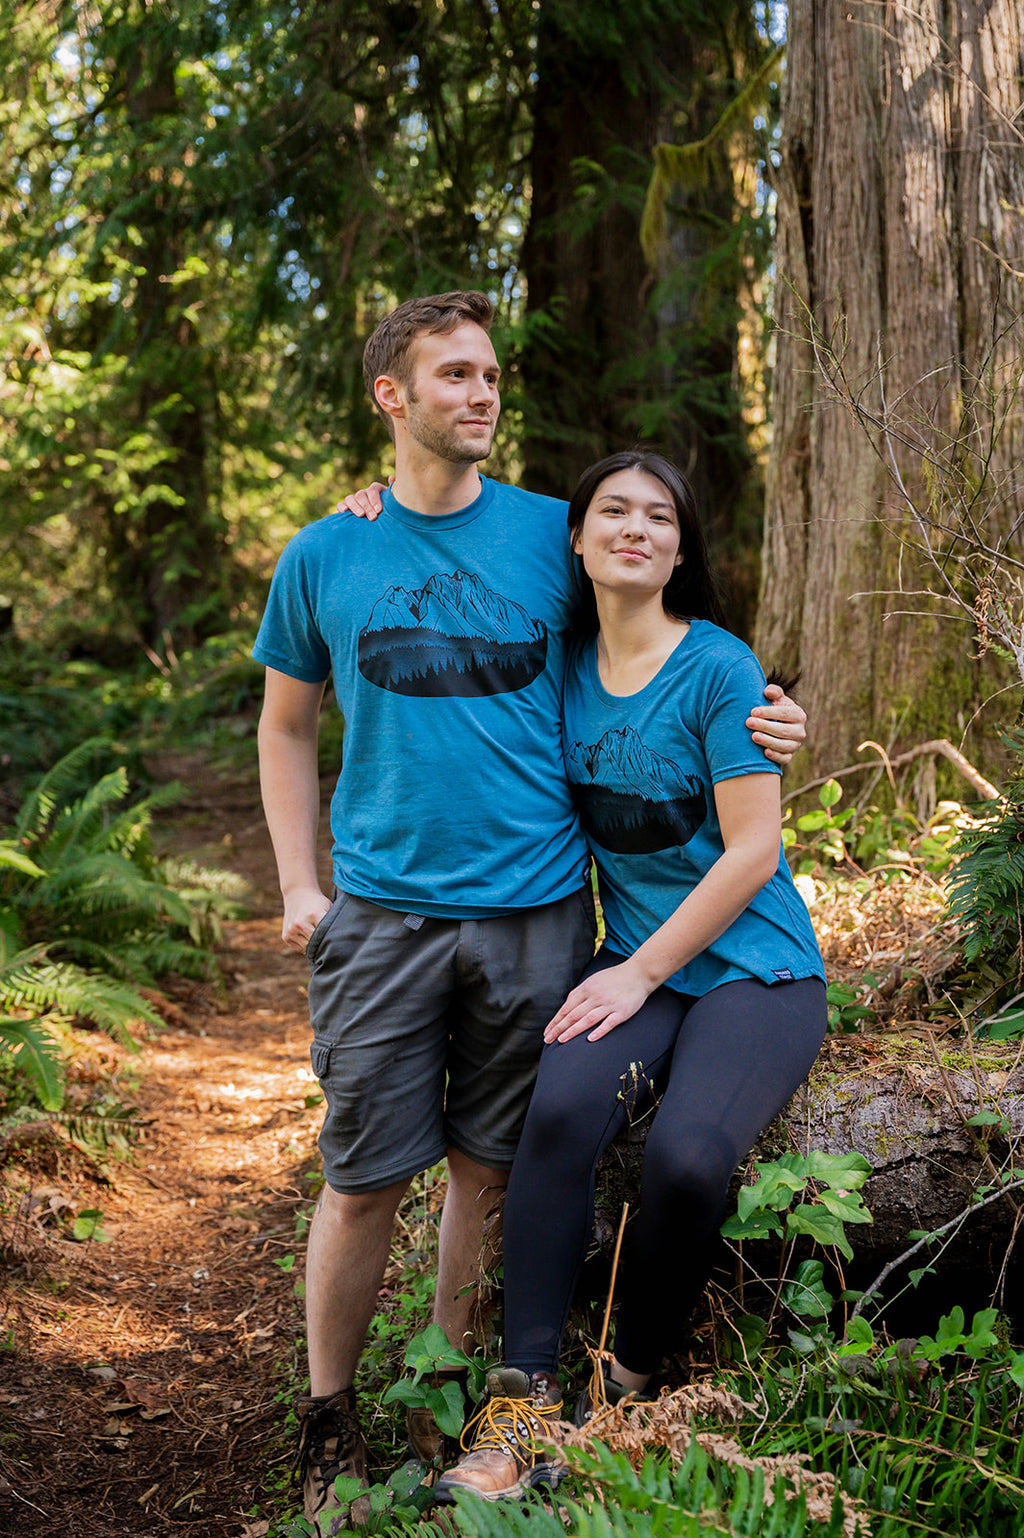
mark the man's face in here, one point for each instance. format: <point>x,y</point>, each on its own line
<point>452,401</point>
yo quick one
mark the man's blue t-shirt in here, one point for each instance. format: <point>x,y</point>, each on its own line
<point>445,639</point>
<point>642,770</point>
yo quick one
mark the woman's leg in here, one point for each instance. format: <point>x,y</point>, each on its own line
<point>739,1056</point>
<point>585,1094</point>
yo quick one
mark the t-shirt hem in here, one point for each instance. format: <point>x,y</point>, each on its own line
<point>434,910</point>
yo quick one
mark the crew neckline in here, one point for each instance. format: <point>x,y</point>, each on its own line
<point>414,519</point>
<point>606,696</point>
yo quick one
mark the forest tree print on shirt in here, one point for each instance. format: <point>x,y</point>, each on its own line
<point>631,800</point>
<point>454,636</point>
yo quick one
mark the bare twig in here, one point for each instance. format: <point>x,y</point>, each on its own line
<point>939,745</point>
<point>961,1217</point>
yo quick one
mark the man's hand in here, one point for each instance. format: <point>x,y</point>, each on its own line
<point>304,907</point>
<point>365,502</point>
<point>598,1004</point>
<point>778,727</point>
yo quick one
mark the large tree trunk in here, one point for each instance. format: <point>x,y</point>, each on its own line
<point>900,246</point>
<point>614,354</point>
<point>168,551</point>
<point>584,267</point>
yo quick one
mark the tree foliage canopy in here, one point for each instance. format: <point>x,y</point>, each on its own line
<point>207,208</point>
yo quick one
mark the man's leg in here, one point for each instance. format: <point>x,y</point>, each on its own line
<point>472,1191</point>
<point>348,1249</point>
<point>349,1243</point>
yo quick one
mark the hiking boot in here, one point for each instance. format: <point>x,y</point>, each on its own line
<point>426,1440</point>
<point>601,1393</point>
<point>505,1452</point>
<point>330,1444</point>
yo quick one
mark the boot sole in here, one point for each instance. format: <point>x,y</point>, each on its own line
<point>544,1474</point>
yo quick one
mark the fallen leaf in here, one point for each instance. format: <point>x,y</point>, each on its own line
<point>114,1428</point>
<point>150,1396</point>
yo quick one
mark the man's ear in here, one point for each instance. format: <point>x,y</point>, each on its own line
<point>389,396</point>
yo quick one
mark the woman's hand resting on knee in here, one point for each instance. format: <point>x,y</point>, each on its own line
<point>599,1003</point>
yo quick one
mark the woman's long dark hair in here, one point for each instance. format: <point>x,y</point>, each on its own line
<point>692,591</point>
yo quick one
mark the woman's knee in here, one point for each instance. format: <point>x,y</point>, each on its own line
<point>689,1171</point>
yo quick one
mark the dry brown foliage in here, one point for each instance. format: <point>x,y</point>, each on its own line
<point>635,1427</point>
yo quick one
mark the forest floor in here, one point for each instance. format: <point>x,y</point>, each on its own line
<point>145,1381</point>
<point>146,1372</point>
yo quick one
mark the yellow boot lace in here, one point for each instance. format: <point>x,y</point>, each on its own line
<point>509,1425</point>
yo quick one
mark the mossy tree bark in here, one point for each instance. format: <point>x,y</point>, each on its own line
<point>901,249</point>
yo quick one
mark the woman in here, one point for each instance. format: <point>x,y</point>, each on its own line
<point>708,994</point>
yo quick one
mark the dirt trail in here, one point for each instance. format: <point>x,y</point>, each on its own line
<point>144,1381</point>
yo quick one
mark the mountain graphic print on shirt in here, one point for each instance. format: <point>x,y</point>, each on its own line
<point>454,636</point>
<point>631,800</point>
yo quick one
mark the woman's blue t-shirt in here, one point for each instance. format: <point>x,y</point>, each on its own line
<point>642,769</point>
<point>445,639</point>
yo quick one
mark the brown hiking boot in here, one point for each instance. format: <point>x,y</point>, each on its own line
<point>602,1393</point>
<point>330,1444</point>
<point>426,1440</point>
<point>509,1439</point>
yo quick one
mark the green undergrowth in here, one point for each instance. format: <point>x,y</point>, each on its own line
<point>815,1421</point>
<point>92,921</point>
<point>53,698</point>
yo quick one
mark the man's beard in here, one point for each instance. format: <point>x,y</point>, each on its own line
<point>445,443</point>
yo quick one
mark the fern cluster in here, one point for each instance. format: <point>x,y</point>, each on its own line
<point>88,916</point>
<point>986,885</point>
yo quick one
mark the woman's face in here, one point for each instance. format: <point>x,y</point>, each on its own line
<point>629,538</point>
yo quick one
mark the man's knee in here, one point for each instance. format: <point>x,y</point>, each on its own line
<point>472,1179</point>
<point>359,1206</point>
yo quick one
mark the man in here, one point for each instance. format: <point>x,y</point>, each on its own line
<point>463,911</point>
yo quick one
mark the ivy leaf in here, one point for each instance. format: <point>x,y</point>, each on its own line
<point>847,1172</point>
<point>845,1205</point>
<point>760,1225</point>
<point>807,1294</point>
<point>819,1224</point>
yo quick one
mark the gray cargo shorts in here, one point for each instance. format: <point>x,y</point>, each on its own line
<point>427,1031</point>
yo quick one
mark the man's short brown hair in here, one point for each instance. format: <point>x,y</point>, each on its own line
<point>389,349</point>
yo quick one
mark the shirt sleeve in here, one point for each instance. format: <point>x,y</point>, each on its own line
<point>289,638</point>
<point>728,746</point>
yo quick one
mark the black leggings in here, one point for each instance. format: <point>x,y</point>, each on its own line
<point>722,1067</point>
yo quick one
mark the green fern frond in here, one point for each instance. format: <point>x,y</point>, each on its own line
<point>37,1054</point>
<point>687,166</point>
<point>55,787</point>
<point>62,986</point>
<point>82,822</point>
<point>985,887</point>
<point>13,857</point>
<point>107,889</point>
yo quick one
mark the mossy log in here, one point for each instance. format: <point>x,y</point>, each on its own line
<point>904,1104</point>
